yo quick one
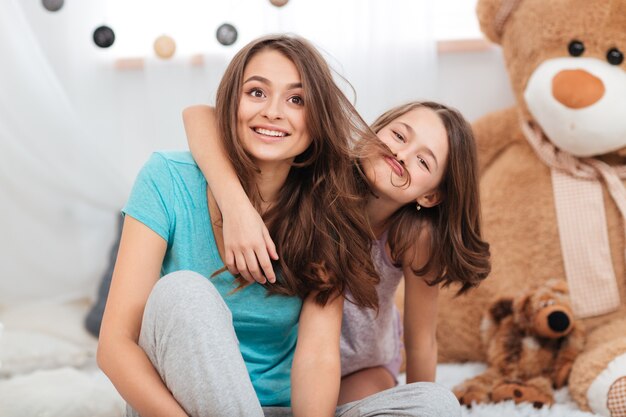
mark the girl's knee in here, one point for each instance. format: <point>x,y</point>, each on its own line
<point>438,400</point>
<point>183,291</point>
<point>180,281</point>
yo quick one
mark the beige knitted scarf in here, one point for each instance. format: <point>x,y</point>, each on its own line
<point>577,184</point>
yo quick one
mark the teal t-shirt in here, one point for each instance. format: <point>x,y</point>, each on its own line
<point>169,196</point>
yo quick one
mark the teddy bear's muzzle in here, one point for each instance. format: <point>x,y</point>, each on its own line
<point>577,88</point>
<point>553,321</point>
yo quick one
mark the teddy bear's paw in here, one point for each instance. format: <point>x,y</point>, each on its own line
<point>562,375</point>
<point>471,394</point>
<point>616,400</point>
<point>606,396</point>
<point>520,393</point>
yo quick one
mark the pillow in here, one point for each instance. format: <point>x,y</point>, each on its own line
<point>23,351</point>
<point>64,392</point>
<point>45,335</point>
<point>94,317</point>
<point>63,320</point>
<point>1,327</point>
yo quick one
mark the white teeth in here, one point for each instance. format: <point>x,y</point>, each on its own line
<point>269,132</point>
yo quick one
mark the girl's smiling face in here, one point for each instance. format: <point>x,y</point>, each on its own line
<point>271,117</point>
<point>419,141</point>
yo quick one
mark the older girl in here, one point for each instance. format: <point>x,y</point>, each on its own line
<point>422,203</point>
<point>188,345</point>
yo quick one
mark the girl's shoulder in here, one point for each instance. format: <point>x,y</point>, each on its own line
<point>163,164</point>
<point>173,178</point>
<point>419,250</point>
<point>169,159</point>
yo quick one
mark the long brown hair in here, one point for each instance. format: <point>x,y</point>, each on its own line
<point>458,253</point>
<point>318,222</point>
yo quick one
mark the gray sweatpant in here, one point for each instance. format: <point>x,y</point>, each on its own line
<point>187,333</point>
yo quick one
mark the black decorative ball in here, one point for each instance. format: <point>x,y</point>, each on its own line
<point>103,36</point>
<point>53,5</point>
<point>226,34</point>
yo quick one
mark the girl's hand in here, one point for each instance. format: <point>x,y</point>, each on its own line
<point>248,245</point>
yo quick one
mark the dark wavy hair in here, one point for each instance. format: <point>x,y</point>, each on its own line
<point>458,253</point>
<point>318,223</point>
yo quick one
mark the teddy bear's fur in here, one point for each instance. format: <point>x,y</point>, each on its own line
<point>530,342</point>
<point>518,204</point>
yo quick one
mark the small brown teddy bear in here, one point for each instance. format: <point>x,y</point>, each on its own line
<point>531,342</point>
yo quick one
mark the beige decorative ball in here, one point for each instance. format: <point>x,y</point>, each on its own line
<point>164,46</point>
<point>279,3</point>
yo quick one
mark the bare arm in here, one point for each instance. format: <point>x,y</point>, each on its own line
<point>420,319</point>
<point>316,370</point>
<point>247,243</point>
<point>136,271</point>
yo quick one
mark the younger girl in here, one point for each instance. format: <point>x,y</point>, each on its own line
<point>423,206</point>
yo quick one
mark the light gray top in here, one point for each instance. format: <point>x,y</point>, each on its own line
<point>368,339</point>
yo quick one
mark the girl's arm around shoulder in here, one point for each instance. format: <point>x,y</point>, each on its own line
<point>316,370</point>
<point>136,271</point>
<point>420,315</point>
<point>247,243</point>
<point>209,153</point>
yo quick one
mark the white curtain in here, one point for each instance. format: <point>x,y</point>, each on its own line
<point>58,191</point>
<point>385,49</point>
<point>74,130</point>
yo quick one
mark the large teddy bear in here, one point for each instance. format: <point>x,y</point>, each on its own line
<point>552,182</point>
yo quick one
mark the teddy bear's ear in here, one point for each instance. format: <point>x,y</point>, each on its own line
<point>558,285</point>
<point>500,309</point>
<point>521,309</point>
<point>493,15</point>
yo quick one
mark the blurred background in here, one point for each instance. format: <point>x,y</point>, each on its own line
<point>78,119</point>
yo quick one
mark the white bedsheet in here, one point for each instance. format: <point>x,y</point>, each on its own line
<point>51,371</point>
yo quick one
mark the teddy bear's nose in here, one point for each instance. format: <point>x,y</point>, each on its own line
<point>577,89</point>
<point>558,321</point>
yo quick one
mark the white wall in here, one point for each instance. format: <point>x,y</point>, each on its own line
<point>139,110</point>
<point>474,82</point>
<point>71,154</point>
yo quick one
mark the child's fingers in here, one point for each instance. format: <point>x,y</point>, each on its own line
<point>270,246</point>
<point>266,264</point>
<point>242,267</point>
<point>253,267</point>
<point>230,264</point>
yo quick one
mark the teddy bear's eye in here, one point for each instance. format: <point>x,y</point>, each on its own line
<point>576,48</point>
<point>615,56</point>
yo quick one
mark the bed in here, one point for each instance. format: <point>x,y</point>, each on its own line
<point>48,368</point>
